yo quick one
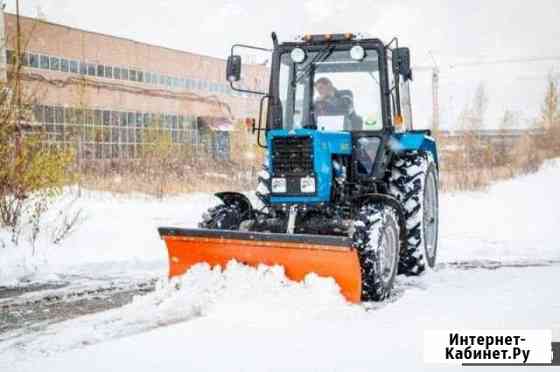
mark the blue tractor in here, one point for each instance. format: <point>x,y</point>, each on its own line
<point>348,189</point>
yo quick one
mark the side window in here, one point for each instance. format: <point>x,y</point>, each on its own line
<point>74,67</point>
<point>59,114</point>
<point>45,62</point>
<point>91,69</point>
<point>64,67</point>
<point>34,60</point>
<point>10,56</point>
<point>106,117</point>
<point>55,64</point>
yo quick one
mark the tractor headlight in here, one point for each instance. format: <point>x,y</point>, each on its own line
<point>297,55</point>
<point>278,185</point>
<point>357,52</point>
<point>307,185</point>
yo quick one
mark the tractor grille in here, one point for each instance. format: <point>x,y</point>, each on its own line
<point>292,156</point>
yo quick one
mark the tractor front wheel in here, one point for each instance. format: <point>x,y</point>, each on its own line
<point>376,238</point>
<point>222,217</point>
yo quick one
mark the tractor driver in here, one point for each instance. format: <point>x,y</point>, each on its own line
<point>332,101</point>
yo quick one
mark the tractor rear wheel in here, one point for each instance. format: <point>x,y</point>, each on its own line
<point>414,183</point>
<point>376,238</point>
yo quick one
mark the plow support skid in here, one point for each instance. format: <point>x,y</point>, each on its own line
<point>327,256</point>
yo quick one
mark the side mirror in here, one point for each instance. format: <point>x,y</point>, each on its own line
<point>233,69</point>
<point>401,63</point>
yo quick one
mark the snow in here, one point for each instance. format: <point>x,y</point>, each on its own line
<point>513,220</point>
<point>256,319</point>
<point>117,230</point>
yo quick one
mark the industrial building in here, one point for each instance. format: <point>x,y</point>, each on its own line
<point>102,93</point>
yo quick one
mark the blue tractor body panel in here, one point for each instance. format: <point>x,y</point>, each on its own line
<point>325,145</point>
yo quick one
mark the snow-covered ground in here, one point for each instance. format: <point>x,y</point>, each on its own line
<point>256,319</point>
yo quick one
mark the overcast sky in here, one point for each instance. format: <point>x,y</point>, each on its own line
<point>455,31</point>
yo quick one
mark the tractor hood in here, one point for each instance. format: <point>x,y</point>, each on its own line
<point>301,157</point>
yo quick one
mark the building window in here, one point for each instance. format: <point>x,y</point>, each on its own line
<point>109,72</point>
<point>83,68</point>
<point>64,65</point>
<point>168,81</point>
<point>91,69</point>
<point>49,114</point>
<point>10,57</point>
<point>124,74</point>
<point>132,75</point>
<point>38,113</point>
<point>140,76</point>
<point>25,59</point>
<point>162,80</point>
<point>115,118</point>
<point>131,119</point>
<point>116,72</point>
<point>34,60</point>
<point>79,116</point>
<point>55,64</point>
<point>73,66</point>
<point>59,114</point>
<point>89,117</point>
<point>148,77</point>
<point>106,117</point>
<point>45,62</point>
<point>124,119</point>
<point>69,115</point>
<point>100,70</point>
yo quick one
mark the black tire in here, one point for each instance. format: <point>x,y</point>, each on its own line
<point>376,238</point>
<point>221,217</point>
<point>413,178</point>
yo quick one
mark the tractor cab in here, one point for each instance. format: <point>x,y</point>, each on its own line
<point>333,103</point>
<point>337,82</point>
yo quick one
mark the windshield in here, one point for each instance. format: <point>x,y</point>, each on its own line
<point>330,91</point>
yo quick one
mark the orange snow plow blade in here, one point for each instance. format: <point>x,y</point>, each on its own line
<point>327,256</point>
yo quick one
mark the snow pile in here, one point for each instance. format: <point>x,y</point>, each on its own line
<point>515,220</point>
<point>243,293</point>
<point>238,295</point>
<point>116,229</point>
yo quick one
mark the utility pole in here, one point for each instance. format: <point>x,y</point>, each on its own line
<point>435,94</point>
<point>435,90</point>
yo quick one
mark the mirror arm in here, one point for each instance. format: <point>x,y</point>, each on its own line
<point>246,90</point>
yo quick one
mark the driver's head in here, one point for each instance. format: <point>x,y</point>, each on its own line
<point>325,88</point>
